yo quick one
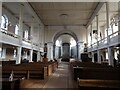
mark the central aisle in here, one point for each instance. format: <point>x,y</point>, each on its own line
<point>61,78</point>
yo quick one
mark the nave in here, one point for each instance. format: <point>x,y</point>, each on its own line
<point>35,35</point>
<point>61,78</point>
<point>74,75</point>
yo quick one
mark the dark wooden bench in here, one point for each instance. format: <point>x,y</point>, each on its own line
<point>76,67</point>
<point>96,73</point>
<point>30,70</point>
<point>11,62</point>
<point>10,85</point>
<point>94,84</point>
<point>93,76</point>
<point>26,71</point>
<point>51,66</point>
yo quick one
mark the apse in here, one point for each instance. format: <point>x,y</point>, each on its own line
<point>65,47</point>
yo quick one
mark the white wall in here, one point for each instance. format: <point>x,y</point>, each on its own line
<point>35,35</point>
<point>51,31</point>
<point>38,33</point>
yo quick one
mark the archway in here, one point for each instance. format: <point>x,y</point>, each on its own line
<point>73,37</point>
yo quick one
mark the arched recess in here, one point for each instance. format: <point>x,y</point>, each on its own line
<point>65,32</point>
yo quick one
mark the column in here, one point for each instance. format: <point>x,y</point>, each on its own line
<point>97,20</point>
<point>99,56</point>
<point>77,48</point>
<point>54,46</point>
<point>38,56</point>
<point>79,53</point>
<point>0,29</point>
<point>108,19</point>
<point>56,52</point>
<point>39,46</point>
<point>19,48</point>
<point>91,35</point>
<point>61,51</point>
<point>50,50</point>
<point>98,51</point>
<point>31,55</point>
<point>110,56</point>
<point>119,20</point>
<point>69,51</point>
<point>18,60</point>
<point>92,56</point>
<point>21,23</point>
<point>31,32</point>
<point>0,38</point>
<point>0,12</point>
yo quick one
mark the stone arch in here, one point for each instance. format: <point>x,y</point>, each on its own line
<point>67,32</point>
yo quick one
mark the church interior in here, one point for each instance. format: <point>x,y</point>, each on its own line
<point>60,45</point>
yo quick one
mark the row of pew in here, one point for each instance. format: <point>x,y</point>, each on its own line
<point>30,70</point>
<point>94,76</point>
<point>33,70</point>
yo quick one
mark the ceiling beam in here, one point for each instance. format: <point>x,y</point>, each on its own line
<point>97,9</point>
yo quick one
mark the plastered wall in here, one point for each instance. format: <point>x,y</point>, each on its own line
<point>51,31</point>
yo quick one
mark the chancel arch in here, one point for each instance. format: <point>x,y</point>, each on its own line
<point>67,41</point>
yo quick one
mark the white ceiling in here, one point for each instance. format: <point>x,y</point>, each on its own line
<point>78,12</point>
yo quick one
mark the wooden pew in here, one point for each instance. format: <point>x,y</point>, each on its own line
<point>11,62</point>
<point>94,84</point>
<point>26,71</point>
<point>96,77</point>
<point>87,64</point>
<point>76,67</point>
<point>51,66</point>
<point>30,70</point>
<point>10,85</point>
<point>96,73</point>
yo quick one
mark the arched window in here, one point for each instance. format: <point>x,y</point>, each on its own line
<point>4,23</point>
<point>16,29</point>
